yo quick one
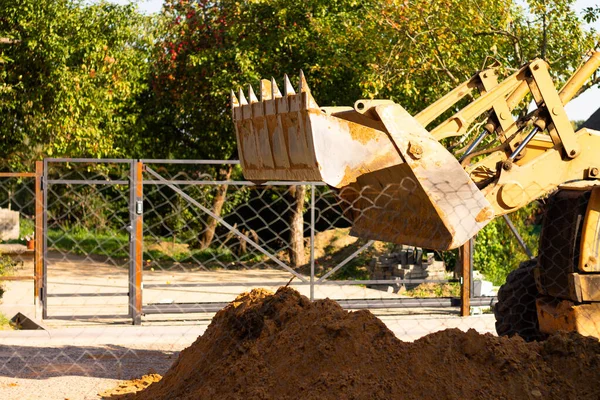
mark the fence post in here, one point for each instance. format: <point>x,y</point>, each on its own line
<point>38,266</point>
<point>137,242</point>
<point>465,293</point>
<point>312,242</point>
<point>44,280</point>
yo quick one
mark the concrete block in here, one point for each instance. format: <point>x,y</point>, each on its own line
<point>9,224</point>
<point>483,288</point>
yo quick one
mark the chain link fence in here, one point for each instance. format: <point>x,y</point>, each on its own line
<point>87,254</point>
<point>167,243</point>
<point>206,236</point>
<point>17,241</point>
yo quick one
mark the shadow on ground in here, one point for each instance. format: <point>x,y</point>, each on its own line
<point>108,361</point>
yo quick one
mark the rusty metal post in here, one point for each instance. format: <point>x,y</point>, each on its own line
<point>38,265</point>
<point>312,242</point>
<point>138,234</point>
<point>465,292</point>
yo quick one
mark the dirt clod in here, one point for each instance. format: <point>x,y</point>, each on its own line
<point>282,346</point>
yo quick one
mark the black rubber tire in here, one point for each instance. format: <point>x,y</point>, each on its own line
<point>515,311</point>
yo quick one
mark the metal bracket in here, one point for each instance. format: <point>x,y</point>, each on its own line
<point>593,173</point>
<point>560,128</point>
<point>139,207</point>
<point>500,108</point>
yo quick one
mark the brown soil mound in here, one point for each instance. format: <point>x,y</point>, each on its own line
<point>281,346</point>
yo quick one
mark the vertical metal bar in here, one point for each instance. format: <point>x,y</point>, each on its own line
<point>139,239</point>
<point>465,293</point>
<point>518,236</point>
<point>131,274</point>
<point>471,250</point>
<point>524,143</point>
<point>474,145</point>
<point>44,286</point>
<point>38,265</point>
<point>312,242</point>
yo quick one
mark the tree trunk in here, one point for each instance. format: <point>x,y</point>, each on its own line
<point>296,249</point>
<point>217,206</point>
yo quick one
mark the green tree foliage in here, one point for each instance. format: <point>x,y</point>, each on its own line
<point>214,47</point>
<point>431,46</point>
<point>591,14</point>
<point>553,31</point>
<point>70,81</point>
<point>76,80</point>
<point>497,251</point>
<point>411,52</point>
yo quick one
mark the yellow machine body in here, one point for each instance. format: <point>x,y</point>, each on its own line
<point>574,304</point>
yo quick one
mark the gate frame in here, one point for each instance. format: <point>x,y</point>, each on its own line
<point>135,257</point>
<point>37,276</point>
<point>350,304</point>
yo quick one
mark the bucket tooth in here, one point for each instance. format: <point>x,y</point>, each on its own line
<point>260,127</point>
<point>251,95</point>
<point>235,105</point>
<point>242,101</point>
<point>265,90</point>
<point>308,100</point>
<point>275,93</point>
<point>247,145</point>
<point>234,101</point>
<point>302,84</point>
<point>288,89</point>
<point>275,127</point>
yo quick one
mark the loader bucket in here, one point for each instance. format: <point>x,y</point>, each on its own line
<point>288,137</point>
<point>397,183</point>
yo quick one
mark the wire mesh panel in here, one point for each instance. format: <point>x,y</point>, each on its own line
<point>207,237</point>
<point>87,252</point>
<point>17,240</point>
<point>385,273</point>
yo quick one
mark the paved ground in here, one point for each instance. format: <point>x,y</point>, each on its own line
<point>78,359</point>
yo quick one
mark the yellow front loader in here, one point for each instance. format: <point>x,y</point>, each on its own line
<point>399,183</point>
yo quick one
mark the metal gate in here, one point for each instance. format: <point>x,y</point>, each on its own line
<point>198,288</point>
<point>89,249</point>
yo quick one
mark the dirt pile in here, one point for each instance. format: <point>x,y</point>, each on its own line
<point>281,346</point>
